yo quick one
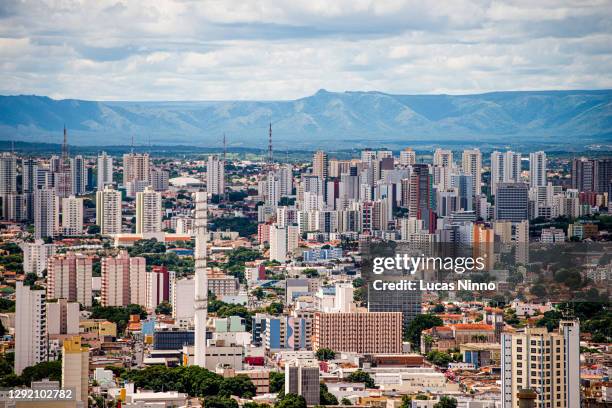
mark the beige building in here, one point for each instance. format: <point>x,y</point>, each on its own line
<point>548,363</point>
<point>108,211</point>
<point>374,332</point>
<point>62,317</point>
<point>69,277</point>
<point>75,368</point>
<point>148,211</point>
<point>320,165</point>
<point>124,280</point>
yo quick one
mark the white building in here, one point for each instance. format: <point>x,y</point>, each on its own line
<point>35,255</point>
<point>105,171</point>
<point>182,300</point>
<point>537,169</point>
<point>283,240</point>
<point>108,211</point>
<point>505,168</point>
<point>31,340</point>
<point>471,163</point>
<point>407,157</point>
<point>148,211</point>
<point>46,213</point>
<point>72,215</point>
<point>215,175</point>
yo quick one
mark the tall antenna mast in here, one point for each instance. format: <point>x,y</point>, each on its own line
<point>65,145</point>
<point>224,148</point>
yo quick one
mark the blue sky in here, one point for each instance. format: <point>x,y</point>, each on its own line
<point>277,49</point>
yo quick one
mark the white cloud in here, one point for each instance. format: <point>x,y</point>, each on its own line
<point>181,50</point>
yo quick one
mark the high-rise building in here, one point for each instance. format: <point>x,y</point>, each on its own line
<point>136,167</point>
<point>548,363</point>
<point>537,169</point>
<point>35,255</point>
<point>31,339</point>
<point>201,277</point>
<point>160,179</point>
<point>108,210</point>
<point>105,171</point>
<point>78,175</point>
<point>285,173</point>
<point>8,180</point>
<point>148,211</point>
<point>124,280</point>
<point>420,196</point>
<point>215,175</point>
<point>69,277</point>
<point>443,158</point>
<point>505,168</point>
<point>283,240</point>
<point>471,163</point>
<point>46,213</point>
<point>158,286</point>
<point>373,332</point>
<point>29,169</point>
<point>320,165</point>
<point>72,216</point>
<point>302,378</point>
<point>62,317</point>
<point>512,202</point>
<point>592,175</point>
<point>407,157</point>
<point>75,368</point>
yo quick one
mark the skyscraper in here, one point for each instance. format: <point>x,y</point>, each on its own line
<point>148,211</point>
<point>537,169</point>
<point>124,280</point>
<point>46,213</point>
<point>471,162</point>
<point>505,168</point>
<point>419,201</point>
<point>35,255</point>
<point>72,215</point>
<point>69,277</point>
<point>105,171</point>
<point>443,158</point>
<point>320,164</point>
<point>201,277</point>
<point>215,175</point>
<point>78,175</point>
<point>136,167</point>
<point>31,339</point>
<point>108,211</point>
<point>548,363</point>
<point>8,180</point>
<point>592,175</point>
<point>407,157</point>
<point>60,168</point>
<point>512,202</point>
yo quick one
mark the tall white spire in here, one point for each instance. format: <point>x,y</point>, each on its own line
<point>201,277</point>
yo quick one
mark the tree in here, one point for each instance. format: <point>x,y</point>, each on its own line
<point>325,354</point>
<point>538,290</point>
<point>164,308</point>
<point>239,385</point>
<point>30,279</point>
<point>325,397</point>
<point>277,381</point>
<point>47,369</point>
<point>220,402</point>
<point>418,324</point>
<point>361,376</point>
<point>93,229</point>
<point>275,308</point>
<point>291,401</point>
<point>439,308</point>
<point>345,401</point>
<point>446,402</point>
<point>311,273</point>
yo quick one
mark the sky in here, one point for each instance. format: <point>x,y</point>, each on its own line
<point>279,49</point>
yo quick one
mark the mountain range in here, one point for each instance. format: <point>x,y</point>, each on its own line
<point>325,119</point>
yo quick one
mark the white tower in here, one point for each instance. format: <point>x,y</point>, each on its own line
<point>201,277</point>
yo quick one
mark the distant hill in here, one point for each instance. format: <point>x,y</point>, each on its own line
<point>324,119</point>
